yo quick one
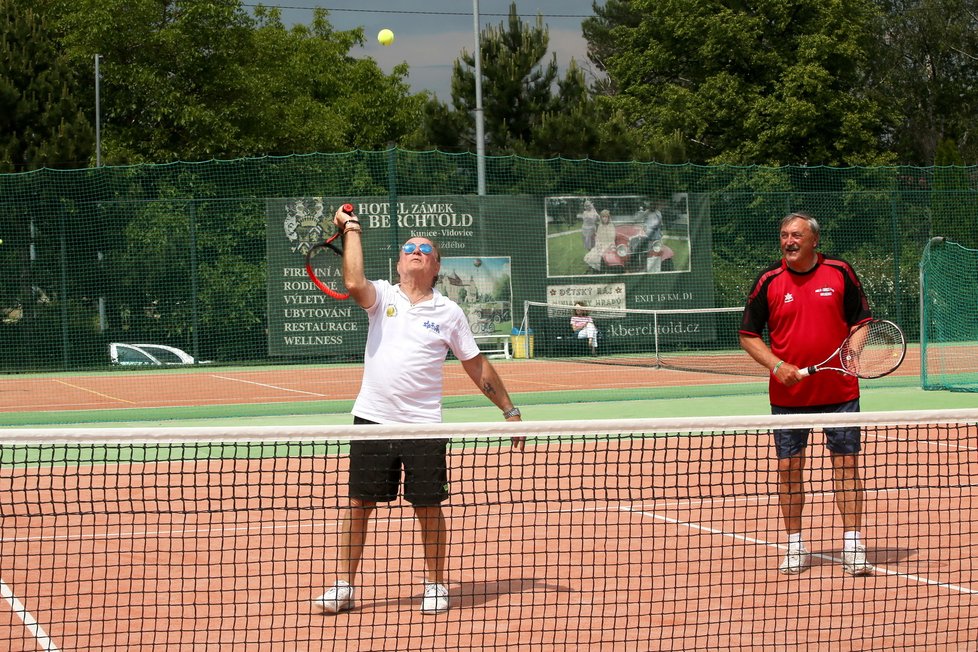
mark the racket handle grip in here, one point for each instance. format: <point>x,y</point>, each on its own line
<point>807,371</point>
<point>347,208</point>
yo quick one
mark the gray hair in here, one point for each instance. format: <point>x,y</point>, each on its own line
<point>812,222</point>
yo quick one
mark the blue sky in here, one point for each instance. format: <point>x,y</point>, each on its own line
<point>431,34</point>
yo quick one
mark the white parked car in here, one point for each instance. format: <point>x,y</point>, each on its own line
<point>148,354</point>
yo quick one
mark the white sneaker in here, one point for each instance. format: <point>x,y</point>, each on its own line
<point>854,561</point>
<point>795,561</point>
<point>338,598</point>
<point>435,599</point>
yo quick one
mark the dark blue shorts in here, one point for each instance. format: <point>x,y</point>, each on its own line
<point>375,469</point>
<point>841,441</point>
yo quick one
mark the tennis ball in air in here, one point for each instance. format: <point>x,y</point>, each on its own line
<point>385,37</point>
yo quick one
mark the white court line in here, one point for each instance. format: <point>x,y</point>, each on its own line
<point>43,640</point>
<point>48,646</point>
<point>158,534</point>
<point>927,442</point>
<point>776,546</point>
<point>278,387</point>
<point>92,391</point>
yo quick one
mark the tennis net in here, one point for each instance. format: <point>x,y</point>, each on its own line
<point>689,339</point>
<point>622,534</point>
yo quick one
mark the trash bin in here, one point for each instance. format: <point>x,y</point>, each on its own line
<point>522,342</point>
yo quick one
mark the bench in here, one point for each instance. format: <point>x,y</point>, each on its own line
<point>499,342</point>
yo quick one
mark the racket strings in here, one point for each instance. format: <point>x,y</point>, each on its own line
<point>325,269</point>
<point>873,351</point>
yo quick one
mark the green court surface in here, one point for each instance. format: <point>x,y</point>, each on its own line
<point>739,399</point>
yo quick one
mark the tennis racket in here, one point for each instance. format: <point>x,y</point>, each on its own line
<point>874,349</point>
<point>317,261</point>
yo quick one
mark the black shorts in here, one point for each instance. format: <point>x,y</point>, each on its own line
<point>841,441</point>
<point>375,469</point>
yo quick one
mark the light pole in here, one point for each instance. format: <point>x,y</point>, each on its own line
<point>102,319</point>
<point>98,117</point>
<point>480,128</point>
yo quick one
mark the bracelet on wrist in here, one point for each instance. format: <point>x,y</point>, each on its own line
<point>515,412</point>
<point>348,222</point>
<point>774,372</point>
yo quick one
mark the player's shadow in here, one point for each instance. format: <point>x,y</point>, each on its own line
<point>885,556</point>
<point>476,594</point>
<point>875,556</point>
<point>466,595</point>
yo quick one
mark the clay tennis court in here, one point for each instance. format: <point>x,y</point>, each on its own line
<point>639,543</point>
<point>645,544</point>
<point>126,390</point>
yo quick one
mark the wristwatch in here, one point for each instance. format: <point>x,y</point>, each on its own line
<point>515,412</point>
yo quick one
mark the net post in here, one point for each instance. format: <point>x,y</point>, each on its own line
<point>922,307</point>
<point>655,335</point>
<point>194,290</point>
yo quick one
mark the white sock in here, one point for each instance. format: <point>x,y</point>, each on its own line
<point>795,540</point>
<point>850,540</point>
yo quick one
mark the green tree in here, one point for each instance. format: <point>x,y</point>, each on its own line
<point>776,82</point>
<point>183,79</point>
<point>517,90</point>
<point>953,209</point>
<point>314,96</point>
<point>527,108</point>
<point>927,67</point>
<point>41,123</point>
<point>589,126</point>
<point>518,83</point>
<point>572,130</point>
<point>173,78</point>
<point>603,45</point>
<point>599,32</point>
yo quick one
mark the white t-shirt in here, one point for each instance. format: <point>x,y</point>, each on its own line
<point>404,360</point>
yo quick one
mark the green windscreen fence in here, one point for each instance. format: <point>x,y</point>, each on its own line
<point>206,259</point>
<point>949,316</point>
